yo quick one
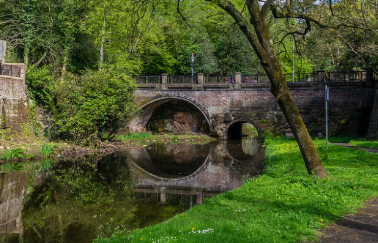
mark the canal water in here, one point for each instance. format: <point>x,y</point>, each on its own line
<point>76,201</point>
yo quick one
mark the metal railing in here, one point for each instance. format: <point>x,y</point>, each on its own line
<point>151,79</point>
<point>345,76</point>
<point>182,79</point>
<point>215,79</point>
<point>320,76</point>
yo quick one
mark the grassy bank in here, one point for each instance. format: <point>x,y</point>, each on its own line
<point>146,137</point>
<point>365,144</point>
<point>283,205</point>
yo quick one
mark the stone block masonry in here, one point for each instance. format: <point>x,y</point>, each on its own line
<point>349,107</point>
<point>13,101</point>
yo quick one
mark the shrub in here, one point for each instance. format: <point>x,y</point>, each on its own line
<point>92,103</point>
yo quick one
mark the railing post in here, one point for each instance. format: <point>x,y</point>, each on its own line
<point>299,77</point>
<point>370,76</point>
<point>237,80</point>
<point>199,81</point>
<point>320,74</point>
<point>3,46</point>
<point>164,79</point>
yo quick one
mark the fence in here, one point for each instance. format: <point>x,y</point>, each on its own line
<point>152,79</point>
<point>182,79</point>
<point>319,76</point>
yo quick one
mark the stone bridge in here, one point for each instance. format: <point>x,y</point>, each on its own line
<point>220,109</point>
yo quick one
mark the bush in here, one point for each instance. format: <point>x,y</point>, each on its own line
<point>92,103</point>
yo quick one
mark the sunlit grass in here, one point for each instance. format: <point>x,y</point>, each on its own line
<point>365,144</point>
<point>283,205</point>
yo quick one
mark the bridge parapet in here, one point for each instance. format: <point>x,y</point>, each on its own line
<point>239,81</point>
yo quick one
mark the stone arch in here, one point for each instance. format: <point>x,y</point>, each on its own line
<point>241,121</point>
<point>140,120</point>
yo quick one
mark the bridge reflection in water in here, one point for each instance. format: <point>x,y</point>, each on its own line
<point>193,169</point>
<point>63,202</point>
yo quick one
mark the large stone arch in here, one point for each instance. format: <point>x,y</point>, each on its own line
<point>241,121</point>
<point>140,120</point>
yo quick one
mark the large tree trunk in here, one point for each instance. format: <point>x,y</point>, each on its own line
<point>262,43</point>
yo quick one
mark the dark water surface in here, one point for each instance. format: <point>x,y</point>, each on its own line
<point>75,201</point>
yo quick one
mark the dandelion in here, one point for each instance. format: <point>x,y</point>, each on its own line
<point>141,238</point>
<point>321,220</point>
<point>193,228</point>
<point>249,236</point>
<point>322,203</point>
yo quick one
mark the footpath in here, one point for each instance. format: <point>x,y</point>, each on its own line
<point>361,227</point>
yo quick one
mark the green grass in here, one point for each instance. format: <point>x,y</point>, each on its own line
<point>146,136</point>
<point>283,205</point>
<point>135,136</point>
<point>365,144</point>
<point>47,149</point>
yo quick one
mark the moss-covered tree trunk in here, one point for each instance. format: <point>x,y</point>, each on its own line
<point>261,40</point>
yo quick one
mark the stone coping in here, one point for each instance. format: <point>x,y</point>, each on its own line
<point>6,76</point>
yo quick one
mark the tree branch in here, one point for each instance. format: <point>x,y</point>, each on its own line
<point>288,14</point>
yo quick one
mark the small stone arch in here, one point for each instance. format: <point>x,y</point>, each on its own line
<point>231,124</point>
<point>140,120</point>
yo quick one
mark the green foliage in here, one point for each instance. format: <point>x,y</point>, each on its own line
<point>16,153</point>
<point>47,150</point>
<point>7,155</point>
<point>94,102</point>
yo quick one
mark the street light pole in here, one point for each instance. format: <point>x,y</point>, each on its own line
<point>293,55</point>
<point>326,92</point>
<point>192,67</point>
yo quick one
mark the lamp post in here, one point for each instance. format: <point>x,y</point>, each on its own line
<point>192,67</point>
<point>293,56</point>
<point>326,94</point>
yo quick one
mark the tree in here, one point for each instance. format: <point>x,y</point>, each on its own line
<point>258,34</point>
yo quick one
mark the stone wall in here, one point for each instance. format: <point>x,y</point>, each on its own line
<point>13,102</point>
<point>349,107</point>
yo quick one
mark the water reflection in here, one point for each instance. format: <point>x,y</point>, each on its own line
<point>171,160</point>
<point>75,201</point>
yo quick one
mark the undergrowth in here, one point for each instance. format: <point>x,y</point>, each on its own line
<point>283,205</point>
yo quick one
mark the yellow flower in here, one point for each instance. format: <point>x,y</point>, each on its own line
<point>192,228</point>
<point>141,238</point>
<point>249,236</point>
<point>321,220</point>
<point>289,197</point>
